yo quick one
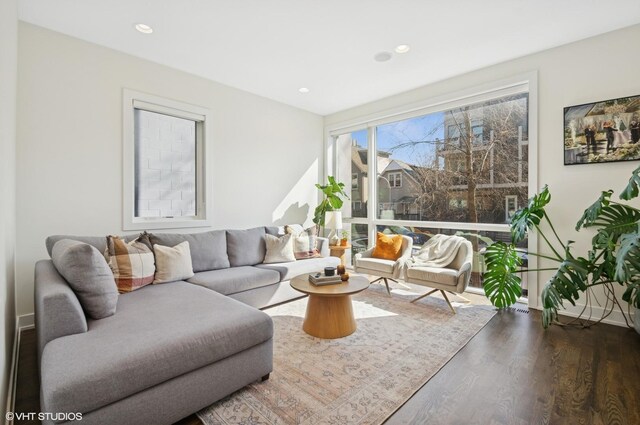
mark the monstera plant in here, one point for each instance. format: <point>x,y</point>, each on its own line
<point>332,199</point>
<point>613,259</point>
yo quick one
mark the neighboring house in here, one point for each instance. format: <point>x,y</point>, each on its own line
<point>397,187</point>
<point>502,186</point>
<point>398,190</point>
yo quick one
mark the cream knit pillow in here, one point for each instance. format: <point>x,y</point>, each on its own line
<point>279,249</point>
<point>173,263</point>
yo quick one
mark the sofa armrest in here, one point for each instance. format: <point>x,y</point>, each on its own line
<point>323,246</point>
<point>57,310</point>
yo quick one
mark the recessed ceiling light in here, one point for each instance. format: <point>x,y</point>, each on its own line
<point>402,48</point>
<point>303,90</point>
<point>143,28</point>
<point>382,57</point>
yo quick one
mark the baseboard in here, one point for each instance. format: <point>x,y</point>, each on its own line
<point>26,321</point>
<point>23,322</point>
<point>615,318</point>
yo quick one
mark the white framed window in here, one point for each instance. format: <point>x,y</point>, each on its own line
<point>510,206</point>
<point>165,163</point>
<point>354,181</point>
<point>439,163</point>
<point>395,179</point>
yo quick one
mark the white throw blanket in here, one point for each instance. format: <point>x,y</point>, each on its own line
<point>439,251</point>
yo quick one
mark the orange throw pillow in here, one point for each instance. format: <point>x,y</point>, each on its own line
<point>388,247</point>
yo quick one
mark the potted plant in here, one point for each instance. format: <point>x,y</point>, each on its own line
<point>333,194</point>
<point>344,241</point>
<point>614,257</point>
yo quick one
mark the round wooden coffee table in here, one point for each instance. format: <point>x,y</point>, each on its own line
<point>329,311</point>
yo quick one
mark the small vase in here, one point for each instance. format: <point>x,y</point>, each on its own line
<point>343,242</point>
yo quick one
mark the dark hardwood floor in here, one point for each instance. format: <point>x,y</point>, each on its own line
<point>511,372</point>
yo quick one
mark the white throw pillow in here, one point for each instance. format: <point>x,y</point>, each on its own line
<point>173,263</point>
<point>279,249</point>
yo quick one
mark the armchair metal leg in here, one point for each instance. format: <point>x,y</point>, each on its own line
<point>385,282</point>
<point>444,294</point>
<point>422,296</point>
<point>431,292</point>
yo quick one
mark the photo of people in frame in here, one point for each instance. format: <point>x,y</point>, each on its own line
<point>605,131</point>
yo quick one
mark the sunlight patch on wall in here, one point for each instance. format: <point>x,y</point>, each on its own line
<point>298,204</point>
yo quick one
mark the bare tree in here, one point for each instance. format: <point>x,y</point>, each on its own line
<point>479,157</point>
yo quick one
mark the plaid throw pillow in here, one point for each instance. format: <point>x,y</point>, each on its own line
<point>132,263</point>
<point>305,242</point>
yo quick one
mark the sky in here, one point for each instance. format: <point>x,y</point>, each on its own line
<point>388,136</point>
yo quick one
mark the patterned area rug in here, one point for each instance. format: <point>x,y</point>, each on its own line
<point>362,378</point>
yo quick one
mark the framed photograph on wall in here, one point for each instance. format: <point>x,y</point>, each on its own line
<point>604,131</point>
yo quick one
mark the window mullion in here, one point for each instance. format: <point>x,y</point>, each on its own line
<point>372,171</point>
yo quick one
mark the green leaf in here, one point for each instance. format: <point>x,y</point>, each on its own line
<point>612,221</point>
<point>551,301</point>
<point>628,257</point>
<point>632,294</point>
<point>567,283</point>
<point>333,194</point>
<point>593,212</point>
<point>530,216</point>
<point>336,203</point>
<point>632,188</point>
<point>501,285</point>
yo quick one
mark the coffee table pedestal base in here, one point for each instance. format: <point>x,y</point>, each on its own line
<point>329,317</point>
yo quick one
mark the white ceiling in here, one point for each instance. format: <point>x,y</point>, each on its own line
<point>273,47</point>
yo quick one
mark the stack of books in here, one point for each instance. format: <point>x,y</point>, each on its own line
<point>319,279</point>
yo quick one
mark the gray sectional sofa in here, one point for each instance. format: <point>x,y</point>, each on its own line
<point>170,349</point>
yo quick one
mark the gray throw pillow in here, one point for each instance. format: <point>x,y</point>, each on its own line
<point>208,249</point>
<point>100,242</point>
<point>89,275</point>
<point>246,247</point>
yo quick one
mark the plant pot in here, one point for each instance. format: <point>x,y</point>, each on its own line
<point>343,242</point>
<point>636,320</point>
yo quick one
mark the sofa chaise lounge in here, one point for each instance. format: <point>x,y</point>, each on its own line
<point>170,349</point>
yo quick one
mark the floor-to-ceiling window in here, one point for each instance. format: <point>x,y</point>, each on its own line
<point>461,167</point>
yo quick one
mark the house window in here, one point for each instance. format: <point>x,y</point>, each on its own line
<point>357,205</point>
<point>395,179</point>
<point>354,181</point>
<point>476,129</point>
<point>453,132</point>
<point>510,206</point>
<point>164,147</point>
<point>457,203</point>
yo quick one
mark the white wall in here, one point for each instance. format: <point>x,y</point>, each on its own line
<point>267,156</point>
<point>598,68</point>
<point>8,76</point>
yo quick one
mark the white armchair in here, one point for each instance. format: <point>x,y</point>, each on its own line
<point>453,279</point>
<point>364,262</point>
